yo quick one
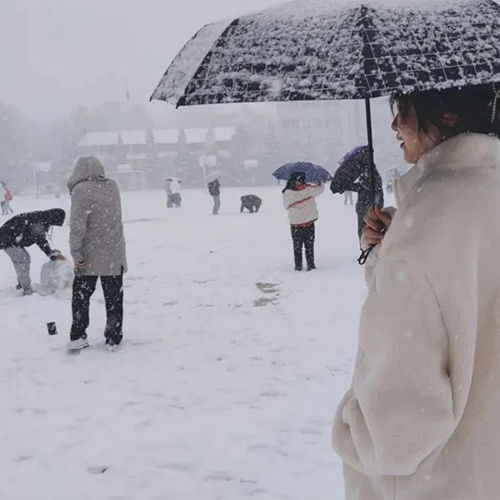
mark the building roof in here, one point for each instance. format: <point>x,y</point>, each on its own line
<point>162,136</point>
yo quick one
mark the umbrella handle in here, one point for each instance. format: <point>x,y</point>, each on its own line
<point>364,256</point>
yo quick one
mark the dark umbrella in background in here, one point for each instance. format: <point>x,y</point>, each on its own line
<point>354,174</point>
<point>314,173</point>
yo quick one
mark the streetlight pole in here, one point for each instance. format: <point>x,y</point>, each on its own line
<point>35,173</point>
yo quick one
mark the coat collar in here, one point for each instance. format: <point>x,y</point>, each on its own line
<point>459,152</point>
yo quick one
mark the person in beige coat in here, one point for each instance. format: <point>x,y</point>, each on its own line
<point>97,246</point>
<point>421,420</point>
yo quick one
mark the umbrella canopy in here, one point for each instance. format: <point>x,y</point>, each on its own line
<point>353,174</point>
<point>314,173</point>
<point>324,49</point>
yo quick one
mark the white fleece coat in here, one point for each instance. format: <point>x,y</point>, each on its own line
<point>422,419</point>
<point>301,205</point>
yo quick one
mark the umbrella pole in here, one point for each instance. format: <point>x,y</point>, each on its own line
<point>370,146</point>
<point>366,253</point>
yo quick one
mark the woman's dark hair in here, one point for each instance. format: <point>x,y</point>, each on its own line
<point>295,178</point>
<point>474,107</point>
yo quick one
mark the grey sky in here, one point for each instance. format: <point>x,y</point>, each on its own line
<point>56,54</point>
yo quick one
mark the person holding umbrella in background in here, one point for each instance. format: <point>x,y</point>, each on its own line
<point>299,201</point>
<point>354,174</point>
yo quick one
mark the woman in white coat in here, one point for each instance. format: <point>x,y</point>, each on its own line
<point>421,418</point>
<point>299,200</point>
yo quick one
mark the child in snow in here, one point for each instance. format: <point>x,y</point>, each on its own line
<point>299,200</point>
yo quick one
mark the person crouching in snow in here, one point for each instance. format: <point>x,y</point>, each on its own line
<point>23,231</point>
<point>97,246</point>
<point>299,200</point>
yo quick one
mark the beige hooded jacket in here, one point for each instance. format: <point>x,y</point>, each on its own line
<point>96,229</point>
<point>422,419</point>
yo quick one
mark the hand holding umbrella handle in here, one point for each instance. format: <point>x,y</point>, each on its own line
<point>377,223</point>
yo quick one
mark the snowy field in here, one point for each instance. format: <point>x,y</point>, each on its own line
<point>231,371</point>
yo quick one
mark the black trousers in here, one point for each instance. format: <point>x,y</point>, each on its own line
<point>83,289</point>
<point>304,236</point>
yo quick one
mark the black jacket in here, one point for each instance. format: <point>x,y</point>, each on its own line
<point>214,188</point>
<point>31,228</point>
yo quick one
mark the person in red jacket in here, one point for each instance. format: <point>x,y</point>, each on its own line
<point>299,200</point>
<point>6,198</point>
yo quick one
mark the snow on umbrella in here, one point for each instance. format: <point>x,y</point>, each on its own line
<point>314,173</point>
<point>325,49</point>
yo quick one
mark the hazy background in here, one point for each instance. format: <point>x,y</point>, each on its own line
<point>57,54</point>
<point>76,77</point>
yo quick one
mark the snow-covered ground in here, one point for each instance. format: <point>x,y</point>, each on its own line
<point>230,375</point>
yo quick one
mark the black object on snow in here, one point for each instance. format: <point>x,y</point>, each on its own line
<point>250,202</point>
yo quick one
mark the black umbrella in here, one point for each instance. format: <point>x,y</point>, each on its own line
<point>322,49</point>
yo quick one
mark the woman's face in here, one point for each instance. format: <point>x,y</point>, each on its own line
<point>415,142</point>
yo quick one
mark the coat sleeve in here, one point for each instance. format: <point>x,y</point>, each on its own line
<point>400,407</point>
<point>286,200</point>
<point>315,191</point>
<point>43,243</point>
<point>80,209</point>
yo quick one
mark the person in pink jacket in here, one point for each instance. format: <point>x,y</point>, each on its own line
<point>421,419</point>
<point>299,200</point>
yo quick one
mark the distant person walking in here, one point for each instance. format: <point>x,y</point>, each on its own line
<point>168,192</point>
<point>23,231</point>
<point>214,191</point>
<point>6,197</point>
<point>97,245</point>
<point>175,193</point>
<point>299,200</point>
